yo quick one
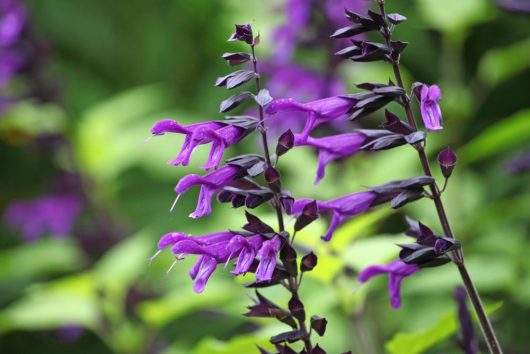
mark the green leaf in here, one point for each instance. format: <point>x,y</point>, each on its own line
<point>47,256</point>
<point>111,133</point>
<point>159,312</point>
<point>376,250</point>
<point>123,264</point>
<point>34,119</point>
<point>356,227</point>
<point>240,345</point>
<point>419,342</point>
<point>454,15</point>
<point>498,138</point>
<point>67,301</point>
<point>501,64</point>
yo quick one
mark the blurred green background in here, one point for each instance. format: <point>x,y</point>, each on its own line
<point>121,65</point>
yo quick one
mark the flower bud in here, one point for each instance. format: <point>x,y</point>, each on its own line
<point>243,33</point>
<point>447,160</point>
<point>309,261</point>
<point>272,176</point>
<point>308,215</point>
<point>285,143</point>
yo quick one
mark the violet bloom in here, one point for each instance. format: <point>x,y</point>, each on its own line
<point>517,6</point>
<point>298,23</point>
<point>332,148</point>
<point>54,215</point>
<point>397,271</point>
<point>298,15</point>
<point>245,249</point>
<point>318,112</point>
<point>430,109</point>
<point>466,334</point>
<point>211,249</point>
<point>12,22</point>
<point>302,85</point>
<point>341,209</point>
<point>221,136</point>
<point>210,184</point>
<point>267,263</point>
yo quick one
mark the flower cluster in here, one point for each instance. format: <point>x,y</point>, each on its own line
<point>21,54</point>
<point>254,179</point>
<point>12,25</point>
<point>307,25</point>
<point>53,214</point>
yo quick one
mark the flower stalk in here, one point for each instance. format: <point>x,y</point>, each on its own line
<point>457,255</point>
<point>293,283</point>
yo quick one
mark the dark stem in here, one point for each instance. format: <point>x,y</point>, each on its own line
<point>263,130</point>
<point>457,256</point>
<point>293,283</point>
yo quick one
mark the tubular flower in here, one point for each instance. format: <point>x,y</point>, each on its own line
<point>12,22</point>
<point>319,111</point>
<point>300,84</point>
<point>217,248</point>
<point>53,214</point>
<point>431,113</point>
<point>267,263</point>
<point>210,184</point>
<point>341,209</point>
<point>246,249</point>
<point>211,249</point>
<point>220,134</point>
<point>332,148</point>
<point>397,271</point>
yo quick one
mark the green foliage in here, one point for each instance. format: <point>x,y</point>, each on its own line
<point>454,16</point>
<point>501,64</point>
<point>241,344</point>
<point>419,342</point>
<point>498,138</point>
<point>29,261</point>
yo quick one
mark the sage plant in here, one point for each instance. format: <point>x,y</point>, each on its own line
<point>268,251</point>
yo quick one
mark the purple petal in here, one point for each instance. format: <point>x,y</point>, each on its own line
<point>286,105</point>
<point>170,239</point>
<point>336,220</point>
<point>187,182</point>
<point>201,272</point>
<point>168,126</point>
<point>267,263</point>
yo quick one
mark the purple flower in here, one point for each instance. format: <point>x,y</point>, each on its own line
<point>466,334</point>
<point>397,271</point>
<point>10,63</point>
<point>518,6</point>
<point>54,214</point>
<point>267,263</point>
<point>429,96</point>
<point>341,209</point>
<point>332,148</point>
<point>318,112</point>
<point>210,184</point>
<point>246,249</point>
<point>302,85</point>
<point>447,160</point>
<point>218,248</point>
<point>298,23</point>
<point>298,14</point>
<point>221,135</point>
<point>211,248</point>
<point>12,22</point>
<point>243,33</point>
